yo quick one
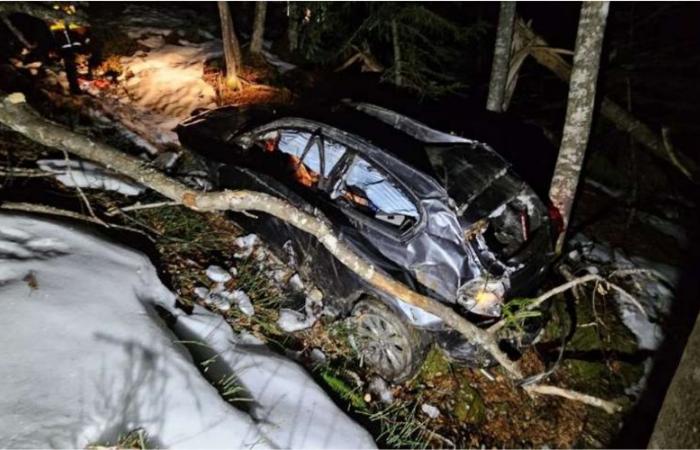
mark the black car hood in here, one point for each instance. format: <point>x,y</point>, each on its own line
<point>476,178</point>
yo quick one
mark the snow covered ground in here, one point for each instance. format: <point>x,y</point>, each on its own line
<point>86,358</point>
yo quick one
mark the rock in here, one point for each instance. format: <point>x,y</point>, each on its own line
<point>220,301</point>
<point>245,245</point>
<point>317,356</point>
<point>380,388</point>
<point>218,274</point>
<point>295,283</point>
<point>430,410</point>
<point>201,292</point>
<point>291,321</point>
<point>243,302</point>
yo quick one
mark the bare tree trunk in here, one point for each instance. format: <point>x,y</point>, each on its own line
<point>501,57</point>
<point>256,41</point>
<point>232,50</point>
<point>677,423</point>
<point>293,26</point>
<point>398,65</point>
<point>619,116</point>
<point>579,111</point>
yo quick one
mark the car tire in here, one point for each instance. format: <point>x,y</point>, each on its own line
<point>386,343</point>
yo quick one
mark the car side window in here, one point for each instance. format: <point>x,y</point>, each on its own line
<point>308,155</point>
<point>372,193</point>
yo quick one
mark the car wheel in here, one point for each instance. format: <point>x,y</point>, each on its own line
<point>386,343</point>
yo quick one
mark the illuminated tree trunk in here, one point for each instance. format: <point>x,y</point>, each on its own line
<point>256,41</point>
<point>232,50</point>
<point>501,58</point>
<point>579,111</point>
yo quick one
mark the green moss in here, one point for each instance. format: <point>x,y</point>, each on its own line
<point>342,388</point>
<point>469,407</point>
<point>436,363</point>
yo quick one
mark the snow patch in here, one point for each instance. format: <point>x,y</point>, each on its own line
<point>86,359</point>
<point>218,274</point>
<point>90,176</point>
<point>289,407</point>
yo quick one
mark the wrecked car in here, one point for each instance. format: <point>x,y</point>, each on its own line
<point>444,214</point>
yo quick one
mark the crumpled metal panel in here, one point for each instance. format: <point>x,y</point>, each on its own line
<point>434,256</point>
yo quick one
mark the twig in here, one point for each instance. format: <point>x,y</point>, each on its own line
<point>80,191</point>
<point>18,34</point>
<point>45,209</point>
<point>545,389</point>
<point>22,172</point>
<point>565,287</point>
<point>116,210</point>
<point>668,146</point>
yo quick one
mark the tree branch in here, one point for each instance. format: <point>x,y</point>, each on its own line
<point>607,406</point>
<point>565,287</point>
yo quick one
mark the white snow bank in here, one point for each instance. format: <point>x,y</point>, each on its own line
<point>85,359</point>
<point>290,408</point>
<point>88,175</point>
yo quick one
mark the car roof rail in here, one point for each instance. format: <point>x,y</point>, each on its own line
<point>411,127</point>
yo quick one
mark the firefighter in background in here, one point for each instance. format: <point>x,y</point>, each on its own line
<point>70,39</point>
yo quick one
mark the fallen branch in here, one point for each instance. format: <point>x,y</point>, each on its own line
<point>607,406</point>
<point>16,114</point>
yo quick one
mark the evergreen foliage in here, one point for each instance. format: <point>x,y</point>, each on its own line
<point>435,52</point>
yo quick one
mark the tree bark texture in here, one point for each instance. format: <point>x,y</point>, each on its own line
<point>232,50</point>
<point>293,17</point>
<point>579,111</point>
<point>501,57</point>
<point>256,41</point>
<point>678,422</point>
<point>536,46</point>
<point>16,114</point>
<point>398,64</point>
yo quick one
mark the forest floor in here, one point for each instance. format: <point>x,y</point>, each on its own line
<point>445,405</point>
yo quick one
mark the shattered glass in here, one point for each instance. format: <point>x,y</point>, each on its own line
<point>383,196</point>
<point>294,142</point>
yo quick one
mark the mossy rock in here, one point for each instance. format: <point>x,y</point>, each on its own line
<point>436,364</point>
<point>469,407</point>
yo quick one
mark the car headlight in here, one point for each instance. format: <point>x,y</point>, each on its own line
<point>482,296</point>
